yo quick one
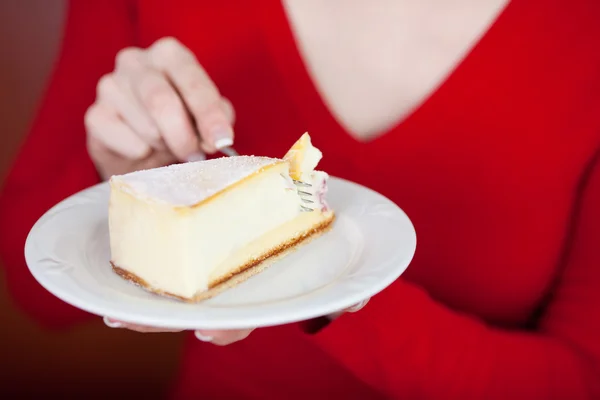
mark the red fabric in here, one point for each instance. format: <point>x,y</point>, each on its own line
<point>497,169</point>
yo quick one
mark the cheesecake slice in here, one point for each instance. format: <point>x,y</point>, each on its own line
<point>191,230</point>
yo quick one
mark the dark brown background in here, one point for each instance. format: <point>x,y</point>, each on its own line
<point>91,360</point>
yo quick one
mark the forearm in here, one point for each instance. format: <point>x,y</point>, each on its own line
<point>409,346</point>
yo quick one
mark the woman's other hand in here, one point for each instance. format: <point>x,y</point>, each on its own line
<point>157,107</point>
<point>217,337</point>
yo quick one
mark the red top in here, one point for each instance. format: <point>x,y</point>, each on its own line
<point>498,169</point>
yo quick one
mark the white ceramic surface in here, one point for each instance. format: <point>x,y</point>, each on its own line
<point>370,245</point>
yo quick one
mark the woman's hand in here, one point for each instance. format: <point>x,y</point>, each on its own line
<point>217,337</point>
<point>157,107</point>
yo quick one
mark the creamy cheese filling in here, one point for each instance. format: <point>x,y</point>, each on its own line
<point>237,218</point>
<point>178,249</point>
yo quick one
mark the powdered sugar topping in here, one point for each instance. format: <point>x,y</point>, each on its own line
<point>190,183</point>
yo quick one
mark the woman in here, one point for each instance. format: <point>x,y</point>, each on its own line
<point>481,119</point>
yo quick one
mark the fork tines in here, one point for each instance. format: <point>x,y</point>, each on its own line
<point>300,183</point>
<point>304,195</point>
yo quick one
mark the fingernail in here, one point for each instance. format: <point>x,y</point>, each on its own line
<point>223,142</point>
<point>112,324</point>
<point>358,307</point>
<point>196,157</point>
<point>203,338</point>
<point>222,137</point>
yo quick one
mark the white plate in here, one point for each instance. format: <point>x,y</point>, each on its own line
<point>370,245</point>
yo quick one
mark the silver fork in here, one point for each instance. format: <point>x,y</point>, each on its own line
<point>229,151</point>
<point>304,195</point>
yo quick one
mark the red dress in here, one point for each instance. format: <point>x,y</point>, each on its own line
<point>498,169</point>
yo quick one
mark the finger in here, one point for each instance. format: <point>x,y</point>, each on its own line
<point>151,89</point>
<point>200,94</point>
<point>111,323</point>
<point>169,113</point>
<point>199,156</point>
<point>352,309</point>
<point>223,337</point>
<point>228,110</point>
<point>358,306</point>
<point>103,123</point>
<point>130,110</point>
<point>230,114</point>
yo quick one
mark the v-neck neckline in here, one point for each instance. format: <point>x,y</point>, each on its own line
<point>303,91</point>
